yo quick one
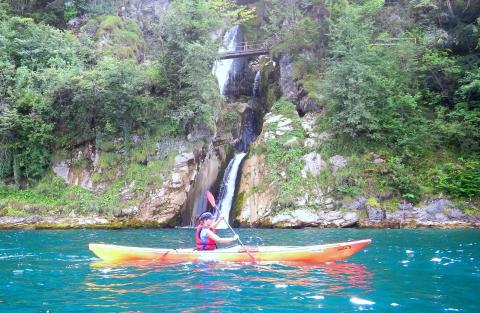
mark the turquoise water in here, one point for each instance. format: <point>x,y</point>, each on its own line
<point>401,271</point>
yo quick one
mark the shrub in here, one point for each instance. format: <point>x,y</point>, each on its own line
<point>460,179</point>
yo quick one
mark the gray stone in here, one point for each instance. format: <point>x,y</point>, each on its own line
<point>324,136</point>
<point>422,216</point>
<point>284,122</point>
<point>287,86</point>
<point>351,217</point>
<point>405,206</point>
<point>438,206</point>
<point>332,216</point>
<point>310,143</point>
<point>128,212</point>
<point>378,161</point>
<point>313,164</point>
<point>12,220</point>
<point>184,159</point>
<point>337,162</point>
<point>291,142</point>
<point>359,203</point>
<point>301,201</point>
<point>62,169</point>
<point>455,214</point>
<point>440,217</point>
<point>306,104</point>
<point>269,119</point>
<point>376,214</point>
<point>308,122</point>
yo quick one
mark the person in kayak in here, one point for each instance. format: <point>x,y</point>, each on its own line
<point>205,234</point>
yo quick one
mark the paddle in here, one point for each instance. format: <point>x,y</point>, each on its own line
<point>211,199</point>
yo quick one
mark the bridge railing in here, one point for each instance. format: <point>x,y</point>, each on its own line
<point>248,45</point>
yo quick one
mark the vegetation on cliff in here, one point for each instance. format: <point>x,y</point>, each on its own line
<point>62,89</point>
<point>397,83</point>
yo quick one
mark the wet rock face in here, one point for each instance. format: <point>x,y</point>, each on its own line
<point>254,207</point>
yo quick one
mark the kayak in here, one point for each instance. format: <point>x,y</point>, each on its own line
<point>308,254</point>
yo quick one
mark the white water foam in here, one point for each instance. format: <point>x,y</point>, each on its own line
<point>222,69</point>
<point>228,187</point>
<point>360,301</point>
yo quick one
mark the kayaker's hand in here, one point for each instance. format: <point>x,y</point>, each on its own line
<point>235,237</point>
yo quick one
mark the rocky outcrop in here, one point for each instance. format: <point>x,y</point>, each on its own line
<point>318,205</point>
<point>438,213</point>
<point>251,208</point>
<point>313,164</point>
<point>292,90</point>
<point>77,169</point>
<point>208,173</point>
<point>144,12</point>
<point>85,222</point>
<point>310,218</point>
<point>163,204</point>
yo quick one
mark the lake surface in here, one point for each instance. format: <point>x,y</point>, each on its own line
<point>401,271</point>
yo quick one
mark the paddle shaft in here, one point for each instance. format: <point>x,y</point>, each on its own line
<point>235,234</point>
<point>211,199</point>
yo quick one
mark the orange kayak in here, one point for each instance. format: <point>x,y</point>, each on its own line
<point>309,254</point>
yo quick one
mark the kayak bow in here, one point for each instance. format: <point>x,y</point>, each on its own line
<point>309,254</point>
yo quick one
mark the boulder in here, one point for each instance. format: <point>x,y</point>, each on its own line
<point>376,214</point>
<point>437,206</point>
<point>456,214</point>
<point>359,203</point>
<point>337,162</point>
<point>313,164</point>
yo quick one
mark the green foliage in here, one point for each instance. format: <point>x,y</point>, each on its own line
<point>461,179</point>
<point>31,56</point>
<point>116,37</point>
<point>370,91</point>
<point>187,55</point>
<point>402,178</point>
<point>238,14</point>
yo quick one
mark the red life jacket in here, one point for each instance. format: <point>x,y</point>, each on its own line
<point>208,244</point>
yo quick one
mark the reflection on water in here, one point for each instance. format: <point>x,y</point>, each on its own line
<point>214,280</point>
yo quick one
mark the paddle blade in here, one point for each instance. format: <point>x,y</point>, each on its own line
<point>211,199</point>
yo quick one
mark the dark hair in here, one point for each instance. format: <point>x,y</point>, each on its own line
<point>206,216</point>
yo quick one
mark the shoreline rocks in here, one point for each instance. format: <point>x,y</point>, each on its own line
<point>296,219</point>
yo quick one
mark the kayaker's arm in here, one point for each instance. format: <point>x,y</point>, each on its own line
<point>218,239</point>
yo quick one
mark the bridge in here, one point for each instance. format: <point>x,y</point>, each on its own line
<point>245,49</point>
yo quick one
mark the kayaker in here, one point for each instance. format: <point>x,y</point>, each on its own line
<point>205,234</point>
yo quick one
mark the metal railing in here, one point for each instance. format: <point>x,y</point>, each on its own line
<point>245,49</point>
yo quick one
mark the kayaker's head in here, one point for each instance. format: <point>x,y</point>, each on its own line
<point>206,218</point>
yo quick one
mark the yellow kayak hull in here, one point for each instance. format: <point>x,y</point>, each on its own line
<point>306,254</point>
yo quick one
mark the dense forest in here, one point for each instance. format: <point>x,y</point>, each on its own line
<point>401,78</point>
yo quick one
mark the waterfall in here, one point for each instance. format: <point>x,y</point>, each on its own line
<point>227,190</point>
<point>228,72</point>
<point>251,129</point>
<point>256,85</point>
<point>225,70</point>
